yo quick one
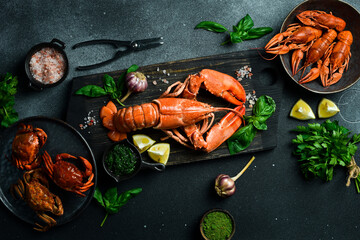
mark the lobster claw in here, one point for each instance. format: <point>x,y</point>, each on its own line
<point>227,126</point>
<point>224,86</point>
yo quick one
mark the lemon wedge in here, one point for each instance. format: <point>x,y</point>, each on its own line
<point>302,111</point>
<point>327,108</point>
<point>160,152</point>
<point>142,142</point>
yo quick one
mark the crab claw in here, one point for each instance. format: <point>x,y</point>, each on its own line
<point>224,86</point>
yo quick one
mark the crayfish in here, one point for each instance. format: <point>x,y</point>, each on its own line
<point>177,112</point>
<point>34,189</point>
<point>316,39</point>
<point>26,146</point>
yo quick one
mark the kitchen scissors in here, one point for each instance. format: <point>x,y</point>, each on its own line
<point>131,46</point>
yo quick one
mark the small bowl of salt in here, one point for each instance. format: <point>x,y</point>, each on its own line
<point>46,64</point>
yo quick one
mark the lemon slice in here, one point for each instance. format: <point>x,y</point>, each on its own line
<point>142,142</point>
<point>302,111</point>
<point>160,152</point>
<point>327,108</point>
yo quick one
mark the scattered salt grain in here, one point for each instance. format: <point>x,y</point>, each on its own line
<point>244,72</point>
<point>89,121</point>
<point>154,82</point>
<point>251,98</point>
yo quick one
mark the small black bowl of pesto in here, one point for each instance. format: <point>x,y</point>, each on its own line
<point>122,160</point>
<point>217,224</point>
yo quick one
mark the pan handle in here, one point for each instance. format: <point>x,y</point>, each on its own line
<point>155,166</point>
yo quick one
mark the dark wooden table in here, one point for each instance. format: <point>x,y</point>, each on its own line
<point>273,200</point>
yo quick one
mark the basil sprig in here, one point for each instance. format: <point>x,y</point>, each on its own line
<point>110,87</point>
<point>242,31</point>
<point>112,201</point>
<point>263,109</point>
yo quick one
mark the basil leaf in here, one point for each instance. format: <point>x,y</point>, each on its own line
<point>126,196</point>
<point>264,106</point>
<point>260,125</point>
<point>98,196</point>
<point>257,32</point>
<point>211,26</point>
<point>235,37</point>
<point>91,91</point>
<point>241,139</point>
<point>109,84</point>
<point>132,68</point>
<point>245,24</point>
<point>111,195</point>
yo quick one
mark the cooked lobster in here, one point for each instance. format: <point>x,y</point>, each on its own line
<point>177,110</point>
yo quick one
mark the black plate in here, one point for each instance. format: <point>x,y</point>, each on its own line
<point>352,19</point>
<point>61,138</point>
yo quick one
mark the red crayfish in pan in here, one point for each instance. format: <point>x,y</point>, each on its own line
<point>323,39</point>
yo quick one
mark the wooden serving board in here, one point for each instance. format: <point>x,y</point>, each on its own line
<point>265,80</point>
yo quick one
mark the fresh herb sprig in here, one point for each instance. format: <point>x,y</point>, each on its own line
<point>8,89</point>
<point>110,87</point>
<point>321,147</point>
<point>263,109</point>
<point>242,31</point>
<point>112,201</point>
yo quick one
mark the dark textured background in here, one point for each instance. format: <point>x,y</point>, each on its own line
<point>273,201</point>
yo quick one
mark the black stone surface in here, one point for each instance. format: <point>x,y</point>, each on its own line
<point>273,200</point>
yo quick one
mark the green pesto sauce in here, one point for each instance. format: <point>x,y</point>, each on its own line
<point>217,226</point>
<point>121,160</point>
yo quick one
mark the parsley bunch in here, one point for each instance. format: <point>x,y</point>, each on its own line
<point>321,147</point>
<point>8,115</point>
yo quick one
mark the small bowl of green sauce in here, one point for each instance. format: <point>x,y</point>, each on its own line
<point>122,160</point>
<point>217,224</point>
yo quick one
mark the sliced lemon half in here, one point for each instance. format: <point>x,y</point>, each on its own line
<point>160,152</point>
<point>302,111</point>
<point>327,108</point>
<point>142,142</point>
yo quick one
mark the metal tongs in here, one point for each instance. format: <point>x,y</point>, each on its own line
<point>131,46</point>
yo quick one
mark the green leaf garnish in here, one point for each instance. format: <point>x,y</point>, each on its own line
<point>8,89</point>
<point>263,109</point>
<point>242,31</point>
<point>112,202</point>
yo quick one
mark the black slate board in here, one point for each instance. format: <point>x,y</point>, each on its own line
<point>265,80</point>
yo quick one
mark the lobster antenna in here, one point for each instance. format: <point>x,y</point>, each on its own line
<point>218,109</point>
